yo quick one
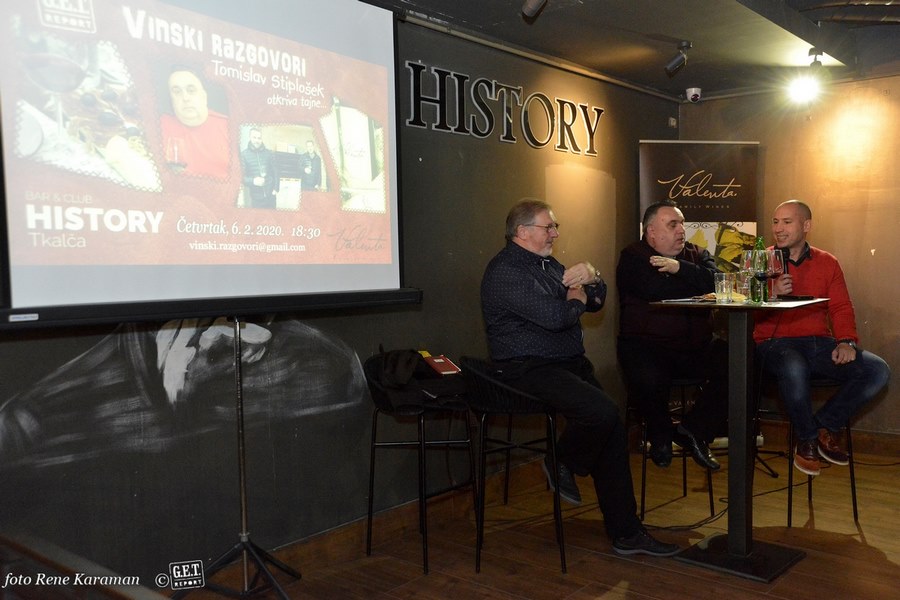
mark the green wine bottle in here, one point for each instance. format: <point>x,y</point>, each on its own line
<point>759,289</point>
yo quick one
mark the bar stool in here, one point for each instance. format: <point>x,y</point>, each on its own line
<point>422,408</point>
<point>489,396</point>
<point>818,383</point>
<point>677,410</point>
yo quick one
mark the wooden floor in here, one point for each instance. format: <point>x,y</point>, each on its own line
<point>521,560</point>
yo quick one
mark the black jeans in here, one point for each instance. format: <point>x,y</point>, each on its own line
<point>594,440</point>
<point>649,370</point>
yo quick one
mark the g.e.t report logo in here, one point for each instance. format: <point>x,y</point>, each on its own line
<point>183,575</point>
<point>71,15</point>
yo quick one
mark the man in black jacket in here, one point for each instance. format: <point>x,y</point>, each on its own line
<point>260,178</point>
<point>656,345</point>
<point>532,307</point>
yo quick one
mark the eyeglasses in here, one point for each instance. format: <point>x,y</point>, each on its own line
<point>546,228</point>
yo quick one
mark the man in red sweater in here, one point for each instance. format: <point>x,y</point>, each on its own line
<point>196,138</point>
<point>816,341</point>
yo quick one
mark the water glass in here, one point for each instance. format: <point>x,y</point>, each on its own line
<point>724,287</point>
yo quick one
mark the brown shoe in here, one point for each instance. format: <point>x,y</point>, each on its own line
<point>829,449</point>
<point>806,458</point>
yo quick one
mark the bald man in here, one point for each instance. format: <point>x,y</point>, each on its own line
<point>815,341</point>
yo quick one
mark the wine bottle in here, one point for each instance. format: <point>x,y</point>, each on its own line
<point>759,290</point>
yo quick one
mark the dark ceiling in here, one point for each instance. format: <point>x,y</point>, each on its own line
<point>738,46</point>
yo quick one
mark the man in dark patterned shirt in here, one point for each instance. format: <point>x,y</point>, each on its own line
<point>532,307</point>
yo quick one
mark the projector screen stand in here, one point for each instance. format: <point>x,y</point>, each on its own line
<point>245,548</point>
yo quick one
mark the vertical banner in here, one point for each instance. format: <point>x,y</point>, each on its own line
<point>714,185</point>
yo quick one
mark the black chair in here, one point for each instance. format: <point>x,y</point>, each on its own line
<point>487,396</point>
<point>677,409</point>
<point>421,407</point>
<point>818,383</point>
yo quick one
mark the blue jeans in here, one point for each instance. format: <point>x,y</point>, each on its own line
<point>794,361</point>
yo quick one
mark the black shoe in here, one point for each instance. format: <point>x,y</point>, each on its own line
<point>661,453</point>
<point>568,490</point>
<point>700,452</point>
<point>641,542</point>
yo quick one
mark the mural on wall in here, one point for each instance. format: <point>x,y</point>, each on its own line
<point>714,184</point>
<point>143,388</point>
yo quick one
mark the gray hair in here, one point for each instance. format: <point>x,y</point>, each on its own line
<point>523,213</point>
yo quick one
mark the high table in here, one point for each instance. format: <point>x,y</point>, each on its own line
<point>736,552</point>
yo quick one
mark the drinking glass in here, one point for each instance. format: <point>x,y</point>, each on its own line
<point>57,74</point>
<point>175,154</point>
<point>758,288</point>
<point>724,287</point>
<point>774,268</point>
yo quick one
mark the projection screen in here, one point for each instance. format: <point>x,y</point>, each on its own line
<point>160,159</point>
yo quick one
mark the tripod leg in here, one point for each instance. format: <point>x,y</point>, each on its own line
<point>286,569</point>
<point>214,567</point>
<point>260,556</point>
<point>772,472</point>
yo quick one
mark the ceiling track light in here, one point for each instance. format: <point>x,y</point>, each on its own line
<point>816,64</point>
<point>532,7</point>
<point>807,86</point>
<point>679,60</point>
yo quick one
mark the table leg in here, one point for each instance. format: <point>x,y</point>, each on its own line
<point>736,552</point>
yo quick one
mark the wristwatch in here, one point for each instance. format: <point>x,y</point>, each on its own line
<point>850,343</point>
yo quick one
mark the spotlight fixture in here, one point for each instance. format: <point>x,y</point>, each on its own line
<point>807,86</point>
<point>679,60</point>
<point>816,64</point>
<point>532,7</point>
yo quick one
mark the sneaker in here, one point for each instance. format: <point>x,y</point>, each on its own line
<point>806,458</point>
<point>568,489</point>
<point>829,449</point>
<point>641,542</point>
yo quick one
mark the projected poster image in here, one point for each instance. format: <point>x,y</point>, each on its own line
<point>78,110</point>
<point>195,135</point>
<point>147,135</point>
<point>356,142</point>
<point>279,164</point>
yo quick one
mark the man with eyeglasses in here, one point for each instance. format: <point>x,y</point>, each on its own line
<point>532,306</point>
<point>656,346</point>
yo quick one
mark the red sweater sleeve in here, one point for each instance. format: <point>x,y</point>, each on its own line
<point>818,275</point>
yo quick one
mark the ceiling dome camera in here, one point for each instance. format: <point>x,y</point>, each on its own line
<point>693,94</point>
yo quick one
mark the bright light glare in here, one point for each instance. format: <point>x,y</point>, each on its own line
<point>804,89</point>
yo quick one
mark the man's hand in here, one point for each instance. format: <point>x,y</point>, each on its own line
<point>581,274</point>
<point>259,181</point>
<point>843,353</point>
<point>784,285</point>
<point>664,264</point>
<point>577,292</point>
